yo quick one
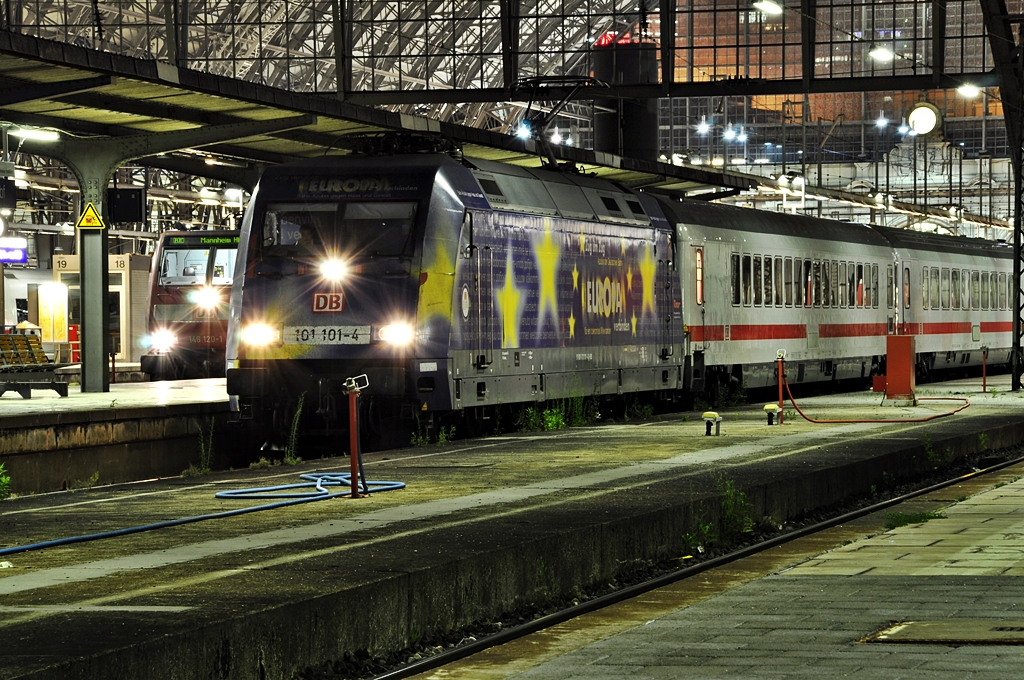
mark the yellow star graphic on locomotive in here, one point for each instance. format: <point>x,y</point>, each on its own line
<point>647,268</point>
<point>633,323</point>
<point>547,254</point>
<point>572,325</point>
<point>583,240</point>
<point>508,299</point>
<point>629,279</point>
<point>575,277</point>
<point>436,290</point>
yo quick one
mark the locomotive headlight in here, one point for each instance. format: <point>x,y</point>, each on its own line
<point>260,335</point>
<point>163,340</point>
<point>398,334</point>
<point>205,297</point>
<point>333,269</point>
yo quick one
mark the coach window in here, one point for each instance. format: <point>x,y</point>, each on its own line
<point>874,285</point>
<point>984,290</point>
<point>787,269</point>
<point>734,273</point>
<point>826,284</point>
<point>799,286</point>
<point>842,284</point>
<point>860,285</point>
<point>924,288</point>
<point>746,279</point>
<point>954,289</point>
<point>1002,291</point>
<point>699,283</point>
<point>993,287</point>
<point>816,283</point>
<point>851,280</point>
<point>834,292</point>
<point>933,288</point>
<point>778,282</point>
<point>757,280</point>
<point>975,291</point>
<point>808,281</point>
<point>767,280</point>
<point>965,289</point>
<point>944,288</point>
<point>890,287</point>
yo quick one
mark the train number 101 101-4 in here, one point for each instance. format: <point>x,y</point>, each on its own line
<point>326,335</point>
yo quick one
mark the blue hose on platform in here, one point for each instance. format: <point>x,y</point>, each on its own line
<point>317,480</point>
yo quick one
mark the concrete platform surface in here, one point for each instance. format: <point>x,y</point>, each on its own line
<point>120,396</point>
<point>484,528</point>
<point>945,593</point>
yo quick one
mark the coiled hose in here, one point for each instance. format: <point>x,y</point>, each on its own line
<point>318,482</point>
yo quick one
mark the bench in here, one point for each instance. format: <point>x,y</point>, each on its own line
<point>25,367</point>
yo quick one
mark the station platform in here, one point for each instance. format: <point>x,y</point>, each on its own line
<point>137,430</point>
<point>934,598</point>
<point>485,530</point>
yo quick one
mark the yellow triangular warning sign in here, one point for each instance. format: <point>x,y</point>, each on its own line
<point>90,218</point>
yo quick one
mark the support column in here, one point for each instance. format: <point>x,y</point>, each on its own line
<point>93,268</point>
<point>93,162</point>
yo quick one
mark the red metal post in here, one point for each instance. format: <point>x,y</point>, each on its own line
<point>353,441</point>
<point>984,369</point>
<point>778,363</point>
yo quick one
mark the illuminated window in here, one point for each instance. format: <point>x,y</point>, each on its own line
<point>699,288</point>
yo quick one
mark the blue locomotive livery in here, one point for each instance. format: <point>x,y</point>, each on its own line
<point>453,288</point>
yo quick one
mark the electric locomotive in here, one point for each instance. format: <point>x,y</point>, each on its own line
<point>452,287</point>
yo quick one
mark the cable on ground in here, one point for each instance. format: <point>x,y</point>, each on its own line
<point>317,481</point>
<point>923,419</point>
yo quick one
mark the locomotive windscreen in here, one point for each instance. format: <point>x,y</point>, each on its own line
<point>356,229</point>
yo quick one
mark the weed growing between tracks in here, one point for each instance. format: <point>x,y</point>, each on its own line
<point>5,484</point>
<point>361,664</point>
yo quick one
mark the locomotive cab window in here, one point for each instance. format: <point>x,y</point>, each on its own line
<point>183,267</point>
<point>357,229</point>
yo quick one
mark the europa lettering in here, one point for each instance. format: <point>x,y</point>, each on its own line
<point>604,296</point>
<point>347,185</point>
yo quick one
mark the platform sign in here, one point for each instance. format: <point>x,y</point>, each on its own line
<point>13,250</point>
<point>90,218</point>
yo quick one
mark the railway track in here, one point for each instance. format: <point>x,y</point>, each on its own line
<point>473,645</point>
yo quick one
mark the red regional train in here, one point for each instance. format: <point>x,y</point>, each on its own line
<point>188,304</point>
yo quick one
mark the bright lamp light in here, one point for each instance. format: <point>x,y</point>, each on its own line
<point>968,90</point>
<point>36,134</point>
<point>205,297</point>
<point>163,340</point>
<point>259,334</point>
<point>769,7</point>
<point>333,269</point>
<point>881,53</point>
<point>399,334</point>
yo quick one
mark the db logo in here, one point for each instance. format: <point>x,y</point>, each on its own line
<point>328,303</point>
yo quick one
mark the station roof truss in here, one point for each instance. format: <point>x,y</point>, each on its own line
<point>89,93</point>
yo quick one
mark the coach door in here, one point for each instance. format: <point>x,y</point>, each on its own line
<point>481,263</point>
<point>668,300</point>
<point>906,319</point>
